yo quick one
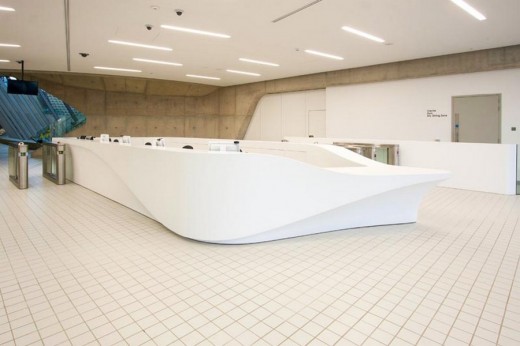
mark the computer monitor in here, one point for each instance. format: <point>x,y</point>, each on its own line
<point>22,87</point>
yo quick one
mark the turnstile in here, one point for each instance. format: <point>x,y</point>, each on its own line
<point>53,162</point>
<point>385,153</point>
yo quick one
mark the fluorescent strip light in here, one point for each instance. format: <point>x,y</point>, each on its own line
<point>470,9</point>
<point>116,69</point>
<point>158,62</point>
<point>1,60</point>
<point>140,45</point>
<point>259,62</point>
<point>9,45</point>
<point>194,31</point>
<point>363,34</point>
<point>325,55</point>
<point>202,77</point>
<point>243,72</point>
<point>9,9</point>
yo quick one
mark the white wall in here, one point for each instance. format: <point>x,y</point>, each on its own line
<point>473,166</point>
<point>398,109</point>
<point>280,115</point>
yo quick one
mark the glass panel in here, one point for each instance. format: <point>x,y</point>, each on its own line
<point>13,167</point>
<point>49,160</point>
<point>382,154</point>
<point>38,117</point>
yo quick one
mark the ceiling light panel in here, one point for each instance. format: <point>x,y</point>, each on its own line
<point>195,31</point>
<point>2,60</point>
<point>363,34</point>
<point>133,44</point>
<point>244,73</point>
<point>158,62</point>
<point>259,62</point>
<point>202,77</point>
<point>7,9</point>
<point>325,55</point>
<point>470,9</point>
<point>116,69</point>
<point>9,45</point>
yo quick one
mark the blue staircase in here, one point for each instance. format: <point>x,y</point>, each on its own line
<point>38,117</point>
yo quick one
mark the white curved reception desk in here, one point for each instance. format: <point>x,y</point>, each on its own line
<point>271,190</point>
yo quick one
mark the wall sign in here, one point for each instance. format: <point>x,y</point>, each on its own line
<point>432,113</point>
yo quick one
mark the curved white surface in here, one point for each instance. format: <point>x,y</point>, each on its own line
<point>270,191</point>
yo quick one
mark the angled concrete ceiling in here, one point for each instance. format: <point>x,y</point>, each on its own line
<point>53,33</point>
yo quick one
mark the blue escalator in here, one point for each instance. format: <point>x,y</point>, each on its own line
<point>38,117</point>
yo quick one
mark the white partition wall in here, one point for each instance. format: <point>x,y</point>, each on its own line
<point>474,166</point>
<point>418,109</point>
<point>414,109</point>
<point>288,114</point>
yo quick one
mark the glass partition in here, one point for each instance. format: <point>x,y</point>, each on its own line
<point>53,162</point>
<point>13,162</point>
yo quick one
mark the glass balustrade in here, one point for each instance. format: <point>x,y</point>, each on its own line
<point>38,117</point>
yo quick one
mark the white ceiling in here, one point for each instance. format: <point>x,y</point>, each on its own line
<point>412,29</point>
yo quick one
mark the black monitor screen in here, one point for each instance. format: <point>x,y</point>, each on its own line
<point>23,87</point>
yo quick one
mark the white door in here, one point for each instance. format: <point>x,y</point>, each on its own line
<point>476,119</point>
<point>316,123</point>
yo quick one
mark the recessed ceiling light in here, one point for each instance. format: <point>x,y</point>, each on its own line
<point>9,45</point>
<point>243,72</point>
<point>2,60</point>
<point>116,69</point>
<point>202,77</point>
<point>140,45</point>
<point>259,62</point>
<point>363,34</point>
<point>470,9</point>
<point>158,62</point>
<point>8,9</point>
<point>325,55</point>
<point>195,31</point>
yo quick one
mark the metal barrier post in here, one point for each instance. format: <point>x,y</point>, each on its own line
<point>18,165</point>
<point>60,164</point>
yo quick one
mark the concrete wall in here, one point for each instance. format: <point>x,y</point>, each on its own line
<point>147,107</point>
<point>144,107</point>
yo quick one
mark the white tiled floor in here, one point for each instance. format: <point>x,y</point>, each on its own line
<point>77,268</point>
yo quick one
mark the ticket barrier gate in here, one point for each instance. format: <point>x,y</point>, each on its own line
<point>388,153</point>
<point>18,156</point>
<point>53,162</point>
<point>385,153</point>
